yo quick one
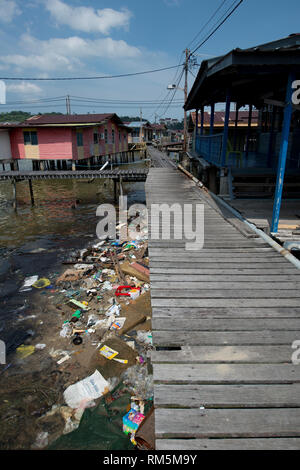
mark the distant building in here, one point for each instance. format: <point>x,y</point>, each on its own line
<point>64,137</point>
<point>140,132</point>
<point>159,131</point>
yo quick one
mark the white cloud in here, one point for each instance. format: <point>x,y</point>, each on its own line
<point>67,53</point>
<point>8,10</point>
<point>24,88</point>
<point>86,18</point>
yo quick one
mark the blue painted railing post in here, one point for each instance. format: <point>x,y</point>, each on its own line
<point>211,128</point>
<point>202,120</point>
<point>283,153</point>
<point>225,133</point>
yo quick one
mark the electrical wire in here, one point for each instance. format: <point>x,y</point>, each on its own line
<point>207,23</point>
<point>218,26</point>
<point>90,78</point>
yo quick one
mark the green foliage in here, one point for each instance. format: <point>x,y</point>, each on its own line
<point>19,116</point>
<point>14,116</point>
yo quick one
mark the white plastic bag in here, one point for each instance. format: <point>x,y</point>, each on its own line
<point>90,388</point>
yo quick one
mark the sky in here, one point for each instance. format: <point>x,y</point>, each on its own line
<point>80,38</point>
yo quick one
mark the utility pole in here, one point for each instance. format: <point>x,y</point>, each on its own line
<point>68,104</point>
<point>186,69</point>
<point>141,127</point>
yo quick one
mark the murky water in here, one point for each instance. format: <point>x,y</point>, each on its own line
<point>35,240</point>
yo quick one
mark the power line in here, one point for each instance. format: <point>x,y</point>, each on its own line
<point>210,19</point>
<point>175,90</point>
<point>218,26</point>
<point>90,78</point>
<point>102,100</point>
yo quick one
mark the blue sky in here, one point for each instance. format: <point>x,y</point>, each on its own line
<point>59,38</point>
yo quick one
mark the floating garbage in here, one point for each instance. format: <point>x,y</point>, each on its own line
<point>87,389</point>
<point>25,351</point>
<point>66,330</point>
<point>41,283</point>
<point>118,324</point>
<point>28,283</point>
<point>113,310</point>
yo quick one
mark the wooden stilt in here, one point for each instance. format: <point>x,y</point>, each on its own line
<point>115,190</point>
<point>31,192</point>
<point>14,194</point>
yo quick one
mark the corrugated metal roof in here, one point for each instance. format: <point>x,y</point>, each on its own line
<point>220,118</point>
<point>67,119</point>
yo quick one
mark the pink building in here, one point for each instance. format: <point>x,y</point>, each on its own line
<point>68,137</point>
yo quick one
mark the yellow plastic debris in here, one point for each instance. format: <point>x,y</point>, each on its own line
<point>25,351</point>
<point>40,283</point>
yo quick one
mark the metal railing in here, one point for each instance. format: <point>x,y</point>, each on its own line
<point>210,147</point>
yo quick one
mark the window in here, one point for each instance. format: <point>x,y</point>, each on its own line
<point>105,136</point>
<point>120,136</point>
<point>113,136</point>
<point>79,139</point>
<point>30,138</point>
<point>96,138</point>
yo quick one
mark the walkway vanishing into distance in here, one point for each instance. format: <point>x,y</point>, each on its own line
<point>224,320</point>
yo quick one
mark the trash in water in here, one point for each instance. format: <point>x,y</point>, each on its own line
<point>63,359</point>
<point>41,283</point>
<point>41,440</point>
<point>144,337</point>
<point>88,389</point>
<point>118,324</point>
<point>131,421</point>
<point>81,305</point>
<point>28,283</point>
<point>25,351</point>
<point>40,346</point>
<point>113,310</point>
<point>108,352</point>
<point>77,339</point>
<point>132,291</point>
<point>76,316</point>
<point>66,330</point>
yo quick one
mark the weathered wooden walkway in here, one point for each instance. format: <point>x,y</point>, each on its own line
<point>224,320</point>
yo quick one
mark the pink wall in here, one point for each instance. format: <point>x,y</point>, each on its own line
<point>55,143</point>
<point>17,143</point>
<point>59,143</point>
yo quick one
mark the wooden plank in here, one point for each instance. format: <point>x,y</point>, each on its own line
<point>226,312</point>
<point>226,374</point>
<point>198,259</point>
<point>292,443</point>
<point>230,324</point>
<point>158,302</point>
<point>247,284</point>
<point>181,293</point>
<point>227,423</point>
<point>225,354</point>
<point>261,280</point>
<point>225,271</point>
<point>266,252</point>
<point>227,396</point>
<point>230,338</point>
<point>190,264</point>
<point>224,302</point>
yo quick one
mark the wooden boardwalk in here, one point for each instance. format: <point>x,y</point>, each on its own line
<point>136,174</point>
<point>224,320</point>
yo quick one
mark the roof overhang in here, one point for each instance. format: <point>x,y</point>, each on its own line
<point>251,75</point>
